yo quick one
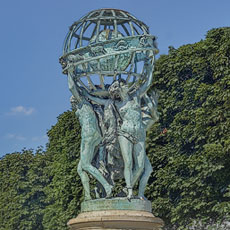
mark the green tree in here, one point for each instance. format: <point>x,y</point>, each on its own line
<point>22,197</point>
<point>64,193</point>
<point>190,145</point>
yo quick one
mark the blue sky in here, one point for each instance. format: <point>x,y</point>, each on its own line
<point>33,90</point>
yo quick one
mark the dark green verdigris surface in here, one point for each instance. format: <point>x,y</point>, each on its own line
<point>114,116</point>
<point>116,204</point>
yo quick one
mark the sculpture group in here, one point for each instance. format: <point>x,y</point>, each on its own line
<point>114,117</point>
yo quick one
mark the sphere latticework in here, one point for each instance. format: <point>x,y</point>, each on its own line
<point>105,45</point>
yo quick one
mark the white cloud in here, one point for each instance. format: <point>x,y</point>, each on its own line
<point>15,137</point>
<point>42,138</point>
<point>21,110</point>
<point>12,136</point>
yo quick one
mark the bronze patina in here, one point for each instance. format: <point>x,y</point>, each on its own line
<point>109,57</point>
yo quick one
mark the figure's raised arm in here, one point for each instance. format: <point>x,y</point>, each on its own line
<point>152,101</point>
<point>144,88</point>
<point>79,92</point>
<point>97,100</point>
<point>72,86</point>
<point>74,89</point>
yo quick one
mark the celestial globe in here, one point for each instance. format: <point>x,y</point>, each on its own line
<point>107,45</point>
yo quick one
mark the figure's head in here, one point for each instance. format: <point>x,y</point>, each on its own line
<point>114,90</point>
<point>73,102</point>
<point>118,89</point>
<point>124,89</point>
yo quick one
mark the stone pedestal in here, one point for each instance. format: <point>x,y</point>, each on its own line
<point>116,214</point>
<point>118,203</point>
<point>116,219</point>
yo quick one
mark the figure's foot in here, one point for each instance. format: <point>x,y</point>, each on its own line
<point>130,194</point>
<point>108,190</point>
<point>96,193</point>
<point>125,190</point>
<point>142,197</point>
<point>87,198</point>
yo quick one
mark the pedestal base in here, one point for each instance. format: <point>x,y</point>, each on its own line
<point>116,219</point>
<point>116,204</point>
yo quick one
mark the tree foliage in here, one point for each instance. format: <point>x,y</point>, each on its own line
<point>64,191</point>
<point>190,146</point>
<point>22,197</point>
<point>189,149</point>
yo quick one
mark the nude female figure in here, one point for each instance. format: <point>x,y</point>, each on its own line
<point>130,129</point>
<point>149,117</point>
<point>90,139</point>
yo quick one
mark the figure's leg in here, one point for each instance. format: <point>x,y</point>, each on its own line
<point>87,154</point>
<point>85,181</point>
<point>126,151</point>
<point>144,177</point>
<point>140,155</point>
<point>101,154</point>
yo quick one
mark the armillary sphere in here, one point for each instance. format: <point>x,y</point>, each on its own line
<point>106,45</point>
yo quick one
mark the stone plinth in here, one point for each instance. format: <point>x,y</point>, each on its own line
<point>116,219</point>
<point>116,204</point>
<point>116,214</point>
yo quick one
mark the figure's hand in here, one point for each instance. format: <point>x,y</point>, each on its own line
<point>70,67</point>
